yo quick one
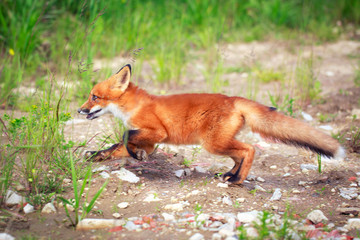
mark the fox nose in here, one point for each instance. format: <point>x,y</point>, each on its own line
<point>83,110</point>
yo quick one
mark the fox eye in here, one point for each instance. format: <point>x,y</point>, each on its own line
<point>94,97</point>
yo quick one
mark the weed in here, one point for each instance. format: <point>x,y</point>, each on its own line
<point>78,192</point>
<point>319,162</point>
<point>350,138</point>
<point>187,162</point>
<point>182,183</point>
<point>7,161</point>
<point>243,233</point>
<point>355,139</point>
<point>237,204</point>
<point>324,118</point>
<point>266,76</point>
<point>197,207</point>
<point>321,191</point>
<point>253,192</point>
<point>309,88</point>
<point>286,106</point>
<point>263,227</point>
<point>357,75</point>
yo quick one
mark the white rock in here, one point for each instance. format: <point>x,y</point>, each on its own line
<point>287,175</point>
<point>348,193</point>
<point>317,216</point>
<point>101,169</point>
<point>216,236</point>
<point>353,223</point>
<point>176,207</point>
<point>307,117</point>
<point>248,217</point>
<point>130,225</point>
<point>308,167</point>
<point>251,232</point>
<point>240,200</point>
<point>260,188</point>
<point>202,217</point>
<point>200,169</point>
<point>187,171</point>
<point>276,195</point>
<point>116,215</point>
<point>306,228</point>
<point>28,208</point>
<point>179,173</point>
<point>251,177</point>
<point>66,181</point>
<point>233,237</point>
<point>123,205</point>
<point>330,225</point>
<point>104,175</point>
<point>91,223</point>
<point>5,236</point>
<point>12,198</point>
<point>329,73</point>
<point>126,175</point>
<point>326,127</point>
<point>295,191</point>
<point>197,236</point>
<point>302,183</point>
<point>168,217</point>
<point>152,197</point>
<point>222,185</point>
<point>227,200</point>
<point>194,192</point>
<point>273,167</point>
<point>260,179</point>
<point>226,232</point>
<point>49,208</point>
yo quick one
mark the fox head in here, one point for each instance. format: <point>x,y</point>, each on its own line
<point>103,96</point>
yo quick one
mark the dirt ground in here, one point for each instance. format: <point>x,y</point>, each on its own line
<point>277,165</point>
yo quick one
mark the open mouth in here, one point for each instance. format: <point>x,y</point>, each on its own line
<point>91,116</point>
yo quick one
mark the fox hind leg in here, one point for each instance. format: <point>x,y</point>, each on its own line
<point>241,153</point>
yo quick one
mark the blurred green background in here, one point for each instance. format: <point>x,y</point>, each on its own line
<point>42,38</point>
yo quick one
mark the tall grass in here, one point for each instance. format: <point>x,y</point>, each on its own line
<point>46,31</point>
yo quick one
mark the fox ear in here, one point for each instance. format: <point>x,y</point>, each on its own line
<point>122,77</point>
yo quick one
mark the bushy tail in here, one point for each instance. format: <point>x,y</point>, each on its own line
<point>276,126</point>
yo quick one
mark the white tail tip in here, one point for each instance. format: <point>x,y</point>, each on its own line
<point>340,154</point>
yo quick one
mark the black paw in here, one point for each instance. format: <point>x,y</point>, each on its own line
<point>141,155</point>
<point>93,155</point>
<point>230,177</point>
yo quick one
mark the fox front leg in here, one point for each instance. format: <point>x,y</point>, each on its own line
<point>115,151</point>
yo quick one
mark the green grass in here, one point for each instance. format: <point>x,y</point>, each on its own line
<point>306,82</point>
<point>42,31</point>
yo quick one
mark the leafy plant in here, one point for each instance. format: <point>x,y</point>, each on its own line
<point>77,203</point>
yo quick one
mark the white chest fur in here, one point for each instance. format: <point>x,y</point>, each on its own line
<point>116,111</point>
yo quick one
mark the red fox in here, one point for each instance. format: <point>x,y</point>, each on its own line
<point>211,120</point>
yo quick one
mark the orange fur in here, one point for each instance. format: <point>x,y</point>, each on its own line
<point>211,120</point>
